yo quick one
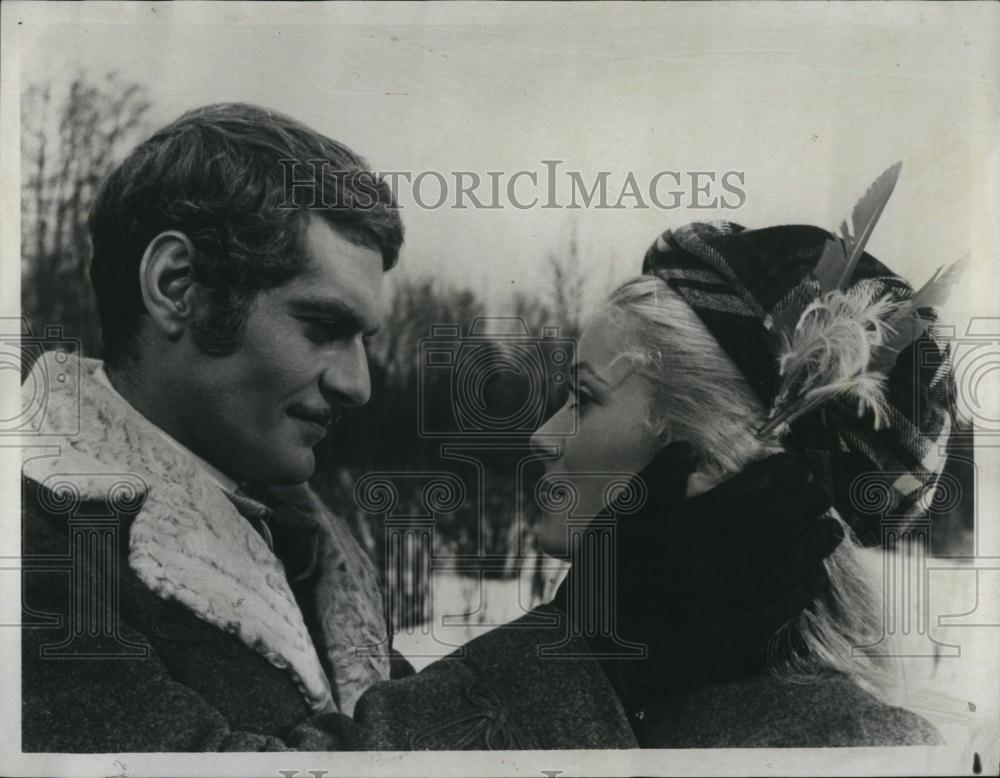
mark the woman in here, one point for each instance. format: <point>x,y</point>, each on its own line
<point>735,344</point>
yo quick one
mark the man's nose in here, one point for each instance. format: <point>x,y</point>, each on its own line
<point>346,380</point>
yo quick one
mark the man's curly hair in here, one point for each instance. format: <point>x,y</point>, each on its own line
<point>224,176</point>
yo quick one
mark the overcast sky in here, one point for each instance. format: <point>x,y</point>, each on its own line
<point>808,103</point>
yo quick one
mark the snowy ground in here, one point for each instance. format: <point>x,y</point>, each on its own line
<point>466,607</point>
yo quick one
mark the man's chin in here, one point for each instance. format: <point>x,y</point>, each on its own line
<point>294,468</point>
<point>552,538</point>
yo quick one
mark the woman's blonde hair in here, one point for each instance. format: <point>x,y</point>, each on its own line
<point>699,395</point>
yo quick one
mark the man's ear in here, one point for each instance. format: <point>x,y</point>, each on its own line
<point>166,281</point>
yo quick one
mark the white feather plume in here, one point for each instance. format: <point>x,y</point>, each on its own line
<point>828,353</point>
<point>845,343</point>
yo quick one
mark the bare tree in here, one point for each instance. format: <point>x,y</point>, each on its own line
<point>576,281</point>
<point>69,144</point>
<point>568,284</point>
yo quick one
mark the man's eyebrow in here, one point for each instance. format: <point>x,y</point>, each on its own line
<point>336,310</point>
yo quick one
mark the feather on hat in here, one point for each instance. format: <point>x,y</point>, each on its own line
<point>840,350</point>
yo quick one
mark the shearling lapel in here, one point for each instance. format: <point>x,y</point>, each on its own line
<point>348,599</point>
<point>188,542</point>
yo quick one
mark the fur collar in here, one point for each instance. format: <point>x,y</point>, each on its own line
<point>189,543</point>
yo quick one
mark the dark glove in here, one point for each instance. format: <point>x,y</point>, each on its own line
<point>703,583</point>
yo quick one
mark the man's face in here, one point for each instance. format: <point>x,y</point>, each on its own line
<point>259,411</point>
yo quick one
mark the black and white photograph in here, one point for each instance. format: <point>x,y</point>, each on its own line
<point>500,389</point>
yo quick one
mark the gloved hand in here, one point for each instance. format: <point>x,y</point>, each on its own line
<point>704,582</point>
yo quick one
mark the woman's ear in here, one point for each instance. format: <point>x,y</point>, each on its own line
<point>167,283</point>
<point>661,429</point>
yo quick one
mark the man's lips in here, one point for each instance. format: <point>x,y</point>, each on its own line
<point>318,417</point>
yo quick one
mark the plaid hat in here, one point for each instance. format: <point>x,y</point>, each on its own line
<point>740,283</point>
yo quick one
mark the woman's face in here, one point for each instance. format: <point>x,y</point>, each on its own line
<point>614,438</point>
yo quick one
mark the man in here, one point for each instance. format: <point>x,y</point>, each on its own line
<point>212,602</point>
<point>233,608</point>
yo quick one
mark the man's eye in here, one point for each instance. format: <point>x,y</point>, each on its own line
<point>321,330</point>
